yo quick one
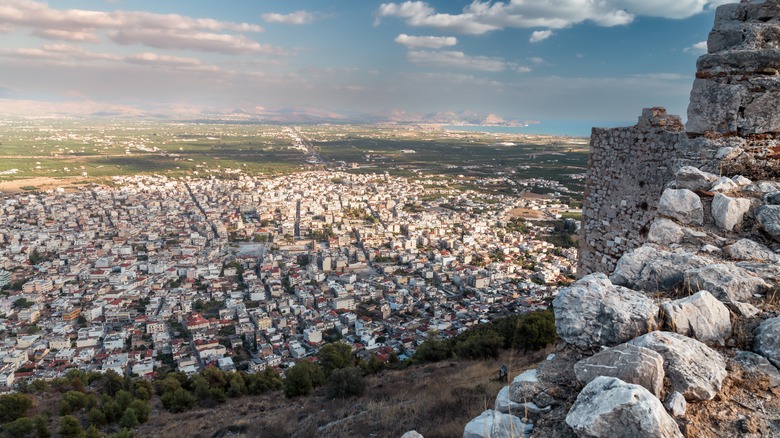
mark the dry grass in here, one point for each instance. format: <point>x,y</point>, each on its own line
<point>436,400</point>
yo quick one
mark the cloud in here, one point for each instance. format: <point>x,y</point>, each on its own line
<point>427,42</point>
<point>131,27</point>
<point>455,59</point>
<point>540,35</point>
<point>198,41</point>
<point>482,16</point>
<point>699,48</point>
<point>522,69</point>
<point>297,17</point>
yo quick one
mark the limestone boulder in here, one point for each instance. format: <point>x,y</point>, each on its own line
<point>682,205</point>
<point>609,407</point>
<point>758,367</point>
<point>629,363</point>
<point>665,231</point>
<point>746,249</point>
<point>412,434</point>
<point>505,405</point>
<point>767,341</point>
<point>724,281</point>
<point>593,312</point>
<point>531,394</point>
<point>700,316</point>
<point>693,369</point>
<point>745,309</point>
<point>691,178</point>
<point>724,184</point>
<point>768,216</point>
<point>729,212</point>
<point>650,269</point>
<point>676,404</point>
<point>491,424</point>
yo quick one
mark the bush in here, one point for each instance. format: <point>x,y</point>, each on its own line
<point>19,428</point>
<point>13,406</point>
<point>483,346</point>
<point>179,400</point>
<point>345,382</point>
<point>70,427</point>
<point>335,356</point>
<point>129,419</point>
<point>302,378</point>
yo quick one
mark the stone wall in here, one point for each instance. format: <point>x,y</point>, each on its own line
<point>627,169</point>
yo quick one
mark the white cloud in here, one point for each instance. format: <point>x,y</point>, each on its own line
<point>483,16</point>
<point>455,59</point>
<point>297,17</point>
<point>522,69</point>
<point>131,27</point>
<point>540,35</point>
<point>536,60</point>
<point>427,42</point>
<point>699,48</point>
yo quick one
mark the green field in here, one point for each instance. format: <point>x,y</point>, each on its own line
<point>96,149</point>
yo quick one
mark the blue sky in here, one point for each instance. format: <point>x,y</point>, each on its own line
<point>564,60</point>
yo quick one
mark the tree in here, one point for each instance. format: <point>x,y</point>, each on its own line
<point>96,418</point>
<point>129,419</point>
<point>302,378</point>
<point>93,432</point>
<point>13,406</point>
<point>70,427</point>
<point>335,356</point>
<point>535,330</point>
<point>142,410</point>
<point>345,382</point>
<point>433,350</point>
<point>179,400</point>
<point>483,344</point>
<point>19,428</point>
<point>41,426</point>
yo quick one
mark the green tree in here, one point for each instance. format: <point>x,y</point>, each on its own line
<point>72,401</point>
<point>96,417</point>
<point>335,356</point>
<point>123,398</point>
<point>179,400</point>
<point>93,432</point>
<point>302,378</point>
<point>124,433</point>
<point>482,344</point>
<point>112,410</point>
<point>13,406</point>
<point>70,427</point>
<point>345,382</point>
<point>129,419</point>
<point>142,410</point>
<point>41,426</point>
<point>19,428</point>
<point>535,330</point>
<point>433,350</point>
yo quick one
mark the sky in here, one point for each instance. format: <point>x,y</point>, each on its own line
<point>521,60</point>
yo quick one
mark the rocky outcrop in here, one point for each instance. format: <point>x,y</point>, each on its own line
<point>691,178</point>
<point>494,424</point>
<point>609,407</point>
<point>700,316</point>
<point>694,370</point>
<point>682,205</point>
<point>746,249</point>
<point>737,85</point>
<point>767,341</point>
<point>647,268</point>
<point>725,281</point>
<point>593,312</point>
<point>629,363</point>
<point>729,212</point>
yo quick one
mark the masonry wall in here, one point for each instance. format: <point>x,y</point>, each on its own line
<point>627,171</point>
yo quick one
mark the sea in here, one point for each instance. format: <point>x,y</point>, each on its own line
<point>550,127</point>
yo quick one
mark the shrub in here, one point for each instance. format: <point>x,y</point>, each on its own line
<point>345,382</point>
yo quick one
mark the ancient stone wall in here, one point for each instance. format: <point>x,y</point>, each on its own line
<point>628,168</point>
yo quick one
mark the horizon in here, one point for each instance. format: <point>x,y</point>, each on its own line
<point>484,63</point>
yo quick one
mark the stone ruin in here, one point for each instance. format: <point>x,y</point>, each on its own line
<point>673,328</point>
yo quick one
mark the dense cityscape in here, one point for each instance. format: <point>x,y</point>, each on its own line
<point>154,273</point>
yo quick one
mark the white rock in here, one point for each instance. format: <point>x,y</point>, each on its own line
<point>491,424</point>
<point>647,268</point>
<point>700,316</point>
<point>729,212</point>
<point>767,341</point>
<point>746,309</point>
<point>505,405</point>
<point>412,434</point>
<point>741,180</point>
<point>629,363</point>
<point>527,376</point>
<point>665,231</point>
<point>682,205</point>
<point>691,178</point>
<point>609,407</point>
<point>676,404</point>
<point>724,184</point>
<point>746,249</point>
<point>757,366</point>
<point>692,368</point>
<point>593,312</point>
<point>724,281</point>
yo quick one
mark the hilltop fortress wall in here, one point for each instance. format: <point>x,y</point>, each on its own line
<point>627,171</point>
<point>732,115</point>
